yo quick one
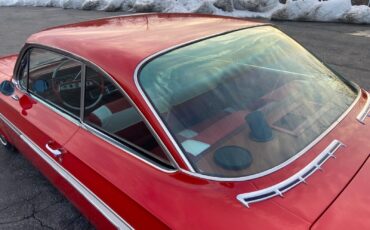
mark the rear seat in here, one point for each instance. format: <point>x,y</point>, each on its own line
<point>121,119</point>
<point>200,139</point>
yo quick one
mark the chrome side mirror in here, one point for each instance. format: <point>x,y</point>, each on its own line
<point>7,88</point>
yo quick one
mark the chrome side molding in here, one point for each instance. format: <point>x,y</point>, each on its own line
<point>365,112</point>
<point>298,178</point>
<point>94,200</point>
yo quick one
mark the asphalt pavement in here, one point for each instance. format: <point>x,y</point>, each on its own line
<point>29,201</point>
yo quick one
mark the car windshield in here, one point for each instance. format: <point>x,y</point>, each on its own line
<point>244,103</point>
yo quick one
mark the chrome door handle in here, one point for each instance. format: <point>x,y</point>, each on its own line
<point>55,152</point>
<point>15,97</point>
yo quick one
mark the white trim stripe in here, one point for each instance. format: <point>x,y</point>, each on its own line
<point>103,208</point>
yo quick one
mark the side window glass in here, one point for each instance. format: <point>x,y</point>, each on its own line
<point>55,79</point>
<point>108,110</point>
<point>23,71</point>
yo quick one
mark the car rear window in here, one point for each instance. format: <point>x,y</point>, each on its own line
<point>244,103</point>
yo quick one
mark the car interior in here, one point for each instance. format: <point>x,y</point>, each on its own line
<point>246,120</point>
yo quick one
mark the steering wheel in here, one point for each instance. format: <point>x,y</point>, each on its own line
<point>68,88</point>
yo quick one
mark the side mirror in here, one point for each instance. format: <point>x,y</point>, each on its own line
<point>7,88</point>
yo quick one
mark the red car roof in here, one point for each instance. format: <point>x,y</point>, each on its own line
<point>119,44</point>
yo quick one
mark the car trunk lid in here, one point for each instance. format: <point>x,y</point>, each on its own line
<point>351,209</point>
<point>311,198</point>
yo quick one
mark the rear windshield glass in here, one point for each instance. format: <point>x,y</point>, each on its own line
<point>243,103</point>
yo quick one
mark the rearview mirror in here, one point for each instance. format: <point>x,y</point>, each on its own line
<point>7,88</point>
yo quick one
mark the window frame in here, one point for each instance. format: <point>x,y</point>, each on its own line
<point>101,131</point>
<point>179,148</point>
<point>41,99</point>
<point>79,121</point>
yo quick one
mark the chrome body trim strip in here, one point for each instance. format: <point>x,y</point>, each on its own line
<point>298,178</point>
<point>3,141</point>
<point>103,208</point>
<point>365,112</point>
<point>192,172</point>
<point>80,123</point>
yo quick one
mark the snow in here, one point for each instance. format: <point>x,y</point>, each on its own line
<point>306,10</point>
<point>331,10</point>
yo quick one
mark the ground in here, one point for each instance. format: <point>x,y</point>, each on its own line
<point>29,201</point>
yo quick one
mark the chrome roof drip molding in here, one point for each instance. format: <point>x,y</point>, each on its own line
<point>365,112</point>
<point>298,178</point>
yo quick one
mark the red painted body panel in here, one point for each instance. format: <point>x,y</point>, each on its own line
<point>179,201</point>
<point>6,72</point>
<point>7,66</point>
<point>107,171</point>
<point>12,109</point>
<point>351,210</point>
<point>183,202</point>
<point>147,197</point>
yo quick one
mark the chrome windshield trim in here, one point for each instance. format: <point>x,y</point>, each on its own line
<point>93,199</point>
<point>191,170</point>
<point>365,112</point>
<point>293,181</point>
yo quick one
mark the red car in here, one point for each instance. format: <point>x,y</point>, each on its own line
<point>187,121</point>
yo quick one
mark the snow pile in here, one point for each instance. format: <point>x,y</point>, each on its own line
<point>331,10</point>
<point>309,10</point>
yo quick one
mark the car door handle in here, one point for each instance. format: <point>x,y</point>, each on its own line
<point>55,152</point>
<point>15,97</point>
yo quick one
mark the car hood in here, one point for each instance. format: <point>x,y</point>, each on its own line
<point>351,209</point>
<point>7,64</point>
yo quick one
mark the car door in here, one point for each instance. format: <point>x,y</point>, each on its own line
<point>39,107</point>
<point>47,110</point>
<point>91,143</point>
<point>113,151</point>
<point>37,112</point>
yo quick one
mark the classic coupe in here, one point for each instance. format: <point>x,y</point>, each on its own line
<point>185,121</point>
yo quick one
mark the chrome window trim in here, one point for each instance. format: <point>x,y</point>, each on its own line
<point>365,112</point>
<point>55,109</point>
<point>191,170</point>
<point>60,111</point>
<point>93,199</point>
<point>123,147</point>
<point>82,95</point>
<point>80,122</point>
<point>300,177</point>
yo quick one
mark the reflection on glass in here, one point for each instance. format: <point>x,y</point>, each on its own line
<point>253,97</point>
